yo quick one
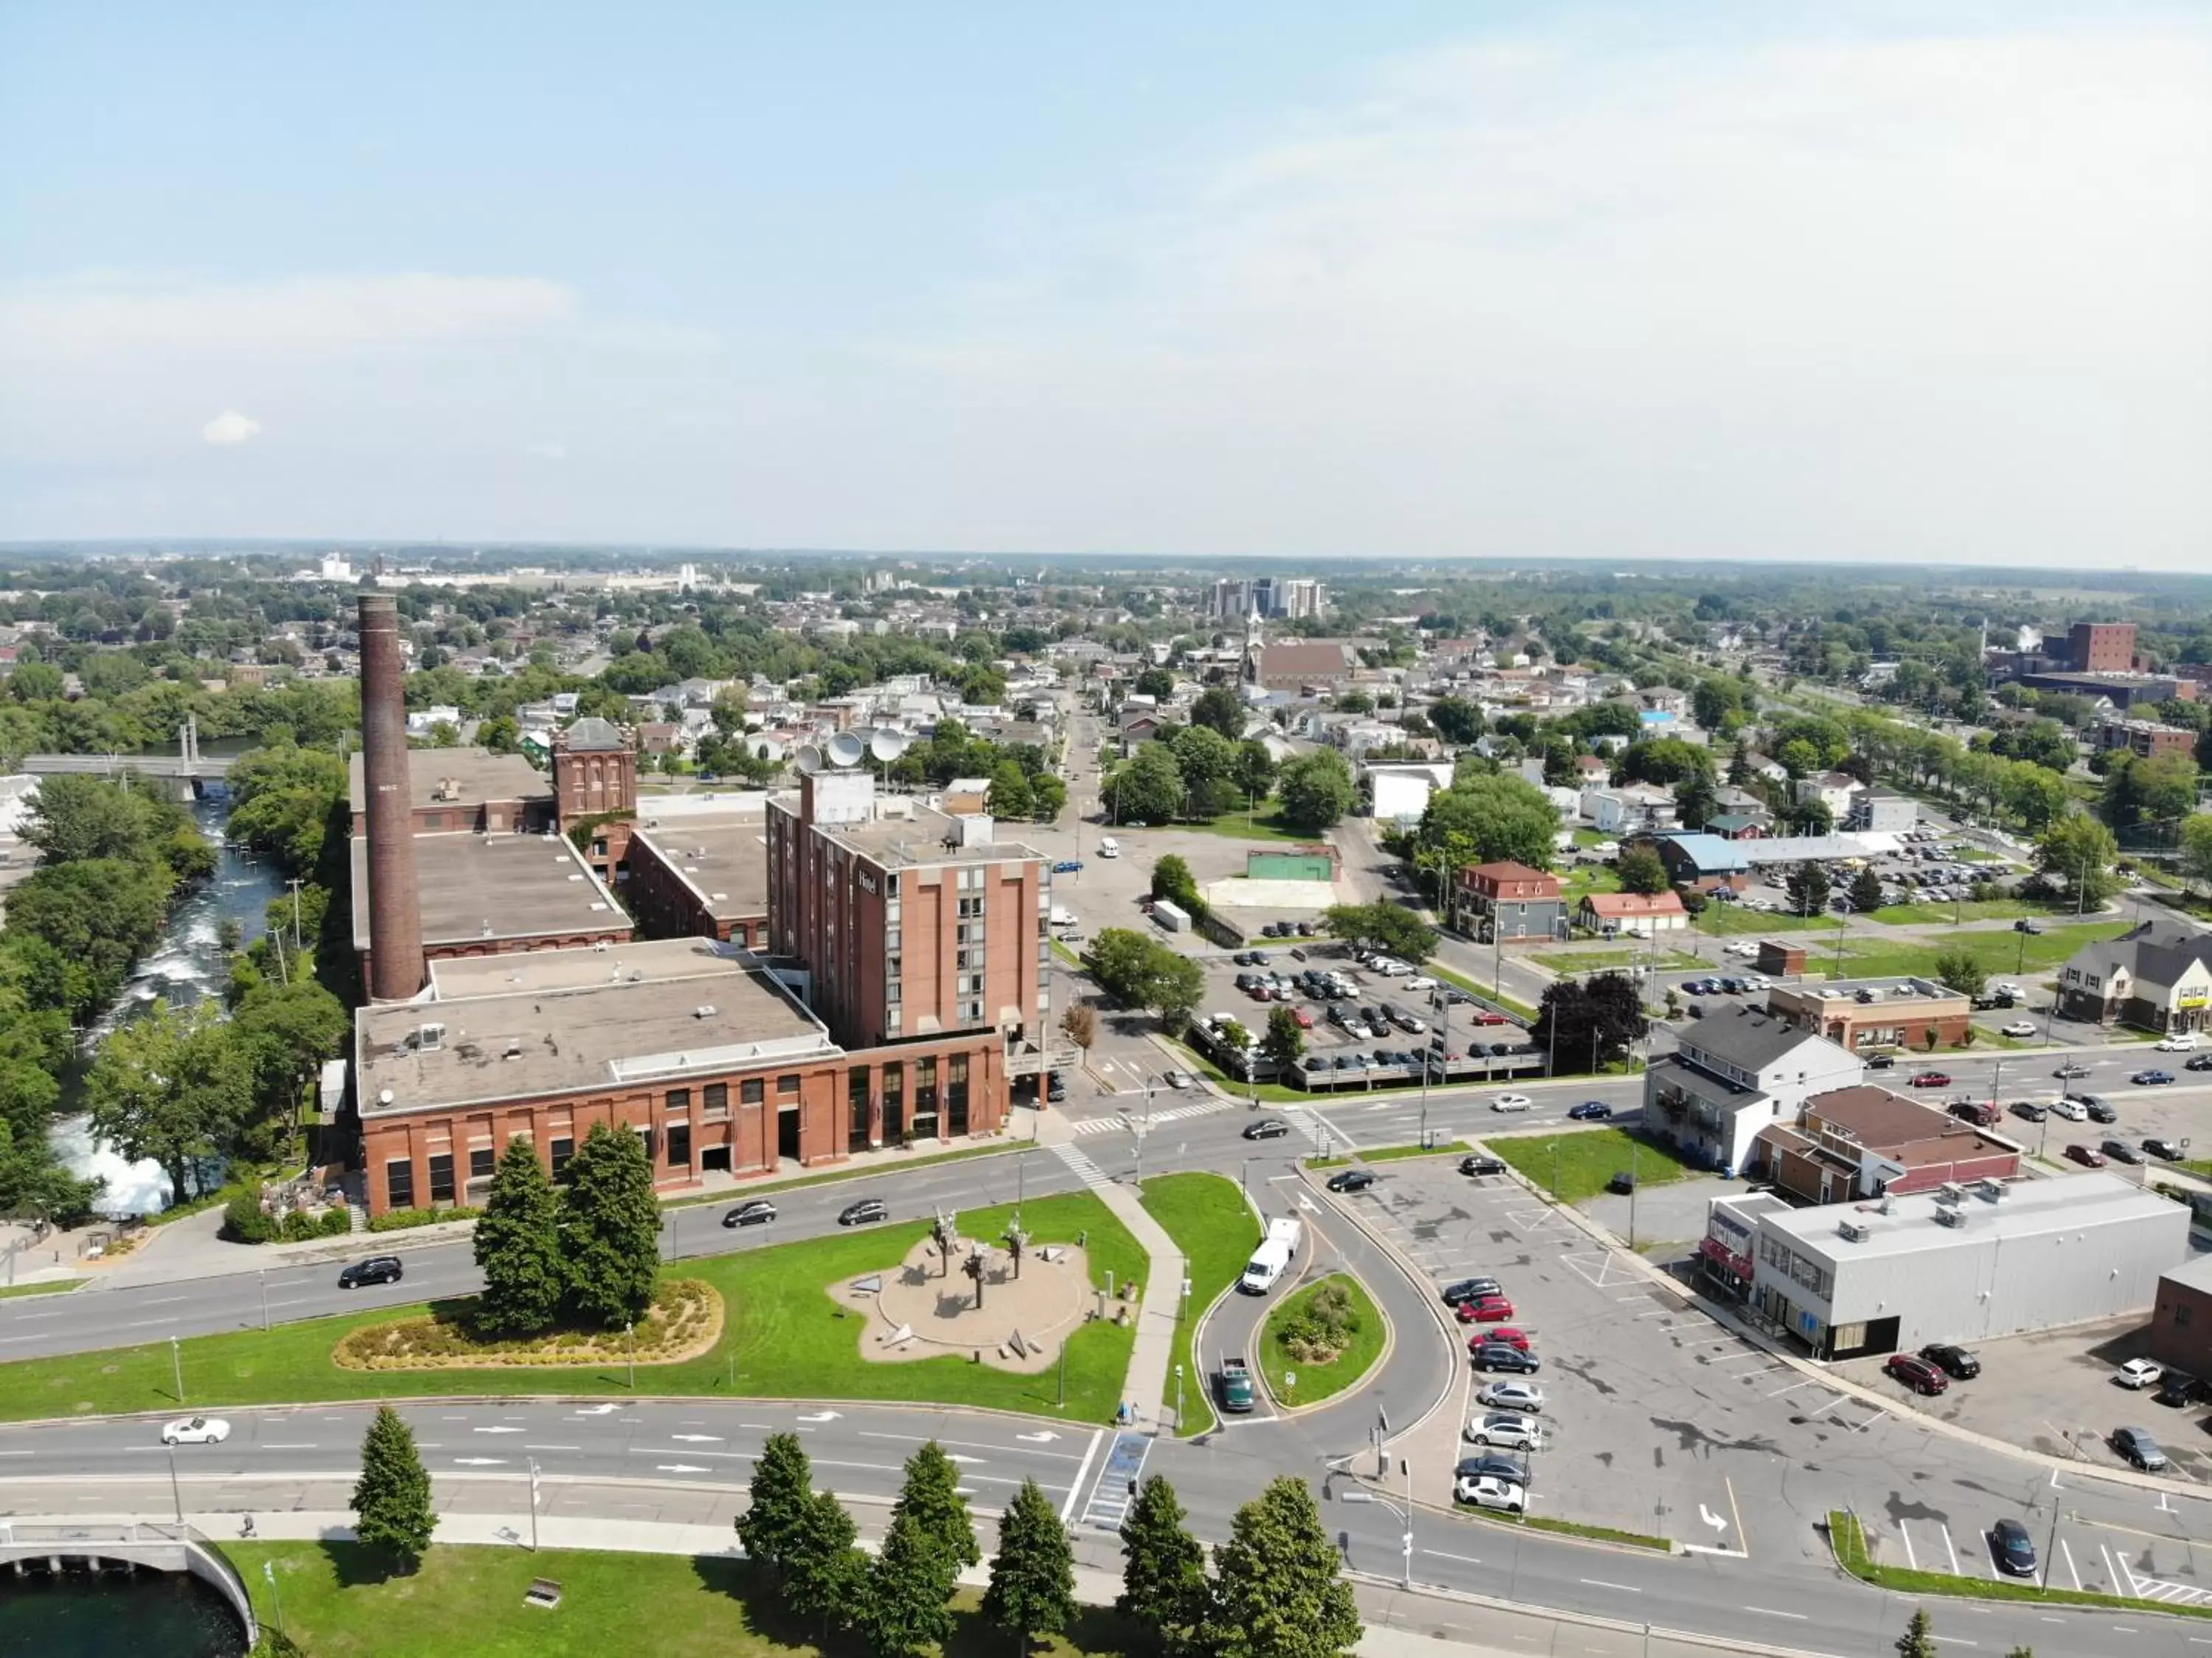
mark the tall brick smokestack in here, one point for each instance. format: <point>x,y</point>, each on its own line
<point>395,916</point>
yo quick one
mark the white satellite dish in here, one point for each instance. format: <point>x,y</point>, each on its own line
<point>806,757</point>
<point>887,745</point>
<point>846,749</point>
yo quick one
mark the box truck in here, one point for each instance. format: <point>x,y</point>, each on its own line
<point>1273,1256</point>
<point>1171,915</point>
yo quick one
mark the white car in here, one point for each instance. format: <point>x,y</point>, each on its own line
<point>2008,987</point>
<point>2182,1042</point>
<point>1746,949</point>
<point>197,1430</point>
<point>1177,1080</point>
<point>2071,1109</point>
<point>1508,1429</point>
<point>1488,1491</point>
<point>1758,982</point>
<point>1388,966</point>
<point>2138,1374</point>
<point>1510,1396</point>
<point>1420,982</point>
<point>1511,1102</point>
<point>2017,1027</point>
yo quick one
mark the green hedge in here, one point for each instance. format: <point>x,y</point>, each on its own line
<point>244,1221</point>
<point>399,1220</point>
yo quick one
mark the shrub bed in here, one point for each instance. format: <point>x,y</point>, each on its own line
<point>399,1220</point>
<point>685,1321</point>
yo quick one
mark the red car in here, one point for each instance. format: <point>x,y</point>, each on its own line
<point>1932,1079</point>
<point>1485,1309</point>
<point>1484,1016</point>
<point>2087,1156</point>
<point>1918,1373</point>
<point>1304,1019</point>
<point>1503,1335</point>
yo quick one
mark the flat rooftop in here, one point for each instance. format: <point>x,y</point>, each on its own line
<point>2076,1204</point>
<point>1894,989</point>
<point>495,887</point>
<point>723,857</point>
<point>906,842</point>
<point>511,1028</point>
<point>477,775</point>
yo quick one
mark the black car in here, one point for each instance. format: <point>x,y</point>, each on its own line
<point>377,1269</point>
<point>2177,1388</point>
<point>1622,1182</point>
<point>1590,1110</point>
<point>1467,1289</point>
<point>2202,1062</point>
<point>1492,1465</point>
<point>2013,1549</point>
<point>1350,1180</point>
<point>1480,1164</point>
<point>2099,1111</point>
<point>756,1211</point>
<point>1504,1355</point>
<point>1054,1090</point>
<point>860,1214</point>
<point>1953,1360</point>
<point>2121,1152</point>
<point>2164,1150</point>
<point>1267,1128</point>
<point>1882,1061</point>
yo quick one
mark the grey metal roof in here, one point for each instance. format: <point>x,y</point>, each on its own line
<point>593,734</point>
<point>1747,1039</point>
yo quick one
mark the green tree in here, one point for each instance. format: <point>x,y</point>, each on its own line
<point>1032,1590</point>
<point>518,1247</point>
<point>1255,770</point>
<point>1172,880</point>
<point>2080,852</point>
<point>1164,1584</point>
<point>1207,761</point>
<point>1919,1640</point>
<point>98,914</point>
<point>826,1575</point>
<point>1866,891</point>
<point>1221,709</point>
<point>1155,682</point>
<point>610,1227</point>
<point>1807,886</point>
<point>1285,1041</point>
<point>1010,799</point>
<point>1456,720</point>
<point>282,800</point>
<point>1961,970</point>
<point>1317,791</point>
<point>76,818</point>
<point>775,1510</point>
<point>1149,789</point>
<point>1640,870</point>
<point>1279,1589</point>
<point>2196,848</point>
<point>1385,926</point>
<point>391,1498</point>
<point>1490,818</point>
<point>931,1537</point>
<point>1047,797</point>
<point>1145,974</point>
<point>930,1495</point>
<point>176,1088</point>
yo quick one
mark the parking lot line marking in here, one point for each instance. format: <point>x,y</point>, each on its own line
<point>1791,1388</point>
<point>1905,1534</point>
<point>2071,1571</point>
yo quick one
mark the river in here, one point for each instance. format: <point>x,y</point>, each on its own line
<point>186,966</point>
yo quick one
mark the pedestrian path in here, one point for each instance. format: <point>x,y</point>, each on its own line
<point>1116,1487</point>
<point>1128,1122</point>
<point>1082,1167</point>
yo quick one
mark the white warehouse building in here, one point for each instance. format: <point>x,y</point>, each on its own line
<point>1965,1264</point>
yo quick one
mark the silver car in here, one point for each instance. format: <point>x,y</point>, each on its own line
<point>1508,1429</point>
<point>1510,1396</point>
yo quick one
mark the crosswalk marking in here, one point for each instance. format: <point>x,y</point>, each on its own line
<point>1117,1482</point>
<point>1083,1168</point>
<point>1122,1125</point>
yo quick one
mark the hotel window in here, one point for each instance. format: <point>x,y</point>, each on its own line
<point>679,1145</point>
<point>482,1161</point>
<point>717,1098</point>
<point>679,1099</point>
<point>892,938</point>
<point>645,1138</point>
<point>893,1102</point>
<point>956,1093</point>
<point>970,908</point>
<point>971,1013</point>
<point>399,1183</point>
<point>856,1108</point>
<point>971,984</point>
<point>787,1088</point>
<point>968,960</point>
<point>752,1091</point>
<point>441,1177</point>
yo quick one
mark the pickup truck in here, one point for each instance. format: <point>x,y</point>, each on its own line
<point>1236,1395</point>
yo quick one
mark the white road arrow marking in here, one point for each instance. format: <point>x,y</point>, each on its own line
<point>1712,1519</point>
<point>680,1468</point>
<point>1045,1438</point>
<point>820,1416</point>
<point>496,1431</point>
<point>975,1460</point>
<point>1305,1201</point>
<point>598,1410</point>
<point>699,1439</point>
<point>481,1461</point>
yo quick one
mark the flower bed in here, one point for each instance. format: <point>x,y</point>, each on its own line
<point>685,1321</point>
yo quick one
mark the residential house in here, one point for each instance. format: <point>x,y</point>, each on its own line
<point>1508,903</point>
<point>1875,811</point>
<point>1640,915</point>
<point>1629,807</point>
<point>1734,1075</point>
<point>2157,976</point>
<point>1832,790</point>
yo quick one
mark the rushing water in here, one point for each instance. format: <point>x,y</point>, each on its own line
<point>186,966</point>
<point>171,1614</point>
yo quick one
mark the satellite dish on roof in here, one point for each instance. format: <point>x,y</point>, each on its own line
<point>887,745</point>
<point>846,749</point>
<point>806,757</point>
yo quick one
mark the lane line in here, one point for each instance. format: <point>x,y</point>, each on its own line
<point>1081,1473</point>
<point>1600,1583</point>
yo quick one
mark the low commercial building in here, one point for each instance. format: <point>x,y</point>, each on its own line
<point>1732,1075</point>
<point>464,789</point>
<point>2146,739</point>
<point>1964,1264</point>
<point>703,877</point>
<point>1724,1254</point>
<point>1866,1142</point>
<point>2181,1318</point>
<point>1508,903</point>
<point>1642,915</point>
<point>1629,807</point>
<point>1866,1013</point>
<point>1398,791</point>
<point>1706,863</point>
<point>497,894</point>
<point>1875,811</point>
<point>2157,976</point>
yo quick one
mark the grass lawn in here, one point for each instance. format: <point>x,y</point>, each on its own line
<point>1584,961</point>
<point>766,1188</point>
<point>1393,1153</point>
<point>1935,913</point>
<point>1274,1093</point>
<point>1067,954</point>
<point>47,1287</point>
<point>1578,883</point>
<point>1520,1011</point>
<point>1733,921</point>
<point>1848,1539</point>
<point>1268,825</point>
<point>1586,839</point>
<point>788,1339</point>
<point>1585,1159</point>
<point>1216,1230</point>
<point>1347,1369</point>
<point>337,1604</point>
<point>2001,954</point>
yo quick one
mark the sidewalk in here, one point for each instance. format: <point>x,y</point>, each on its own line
<point>1152,1359</point>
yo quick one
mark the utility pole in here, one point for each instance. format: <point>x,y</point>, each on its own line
<point>1634,1146</point>
<point>176,1491</point>
<point>262,1273</point>
<point>533,1505</point>
<point>294,884</point>
<point>177,1360</point>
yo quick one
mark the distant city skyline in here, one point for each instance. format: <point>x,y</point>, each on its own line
<point>1920,287</point>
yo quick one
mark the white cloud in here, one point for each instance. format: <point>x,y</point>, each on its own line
<point>230,427</point>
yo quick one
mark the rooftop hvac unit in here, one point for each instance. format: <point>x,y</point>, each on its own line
<point>1991,1191</point>
<point>1851,1231</point>
<point>513,1049</point>
<point>428,1038</point>
<point>1950,1217</point>
<point>704,1010</point>
<point>600,945</point>
<point>1950,1193</point>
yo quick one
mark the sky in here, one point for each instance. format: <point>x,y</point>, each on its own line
<point>1899,282</point>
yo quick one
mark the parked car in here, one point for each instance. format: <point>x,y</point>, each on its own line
<point>2137,1446</point>
<point>1915,1373</point>
<point>2087,1156</point>
<point>2202,1062</point>
<point>2024,925</point>
<point>2138,1374</point>
<point>1508,1429</point>
<point>1055,1091</point>
<point>2151,1079</point>
<point>1591,1110</point>
<point>377,1269</point>
<point>2165,1150</point>
<point>1953,1360</point>
<point>1504,1355</point>
<point>2017,1027</point>
<point>2071,1109</point>
<point>1350,1180</point>
<point>1267,1128</point>
<point>1524,1396</point>
<point>1492,1465</point>
<point>756,1211</point>
<point>2030,1110</point>
<point>1622,1183</point>
<point>1468,1290</point>
<point>863,1212</point>
<point>1511,1102</point>
<point>2100,1110</point>
<point>1505,1496</point>
<point>1493,1308</point>
<point>2121,1152</point>
<point>197,1430</point>
<point>2012,1548</point>
<point>2179,1042</point>
<point>1481,1163</point>
<point>2179,1389</point>
<point>1067,867</point>
<point>1931,1079</point>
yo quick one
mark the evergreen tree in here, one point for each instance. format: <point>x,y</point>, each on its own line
<point>1807,886</point>
<point>1279,1591</point>
<point>518,1246</point>
<point>1032,1588</point>
<point>930,1496</point>
<point>1866,891</point>
<point>613,1228</point>
<point>910,1585</point>
<point>391,1498</point>
<point>1919,1640</point>
<point>826,1575</point>
<point>783,1483</point>
<point>1163,1585</point>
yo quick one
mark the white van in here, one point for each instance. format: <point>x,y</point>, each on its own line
<point>1268,1264</point>
<point>1109,848</point>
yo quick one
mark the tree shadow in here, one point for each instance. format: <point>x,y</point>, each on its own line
<point>761,1612</point>
<point>356,1566</point>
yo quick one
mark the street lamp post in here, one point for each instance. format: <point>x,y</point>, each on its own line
<point>176,1491</point>
<point>629,1334</point>
<point>177,1361</point>
<point>1178,1399</point>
